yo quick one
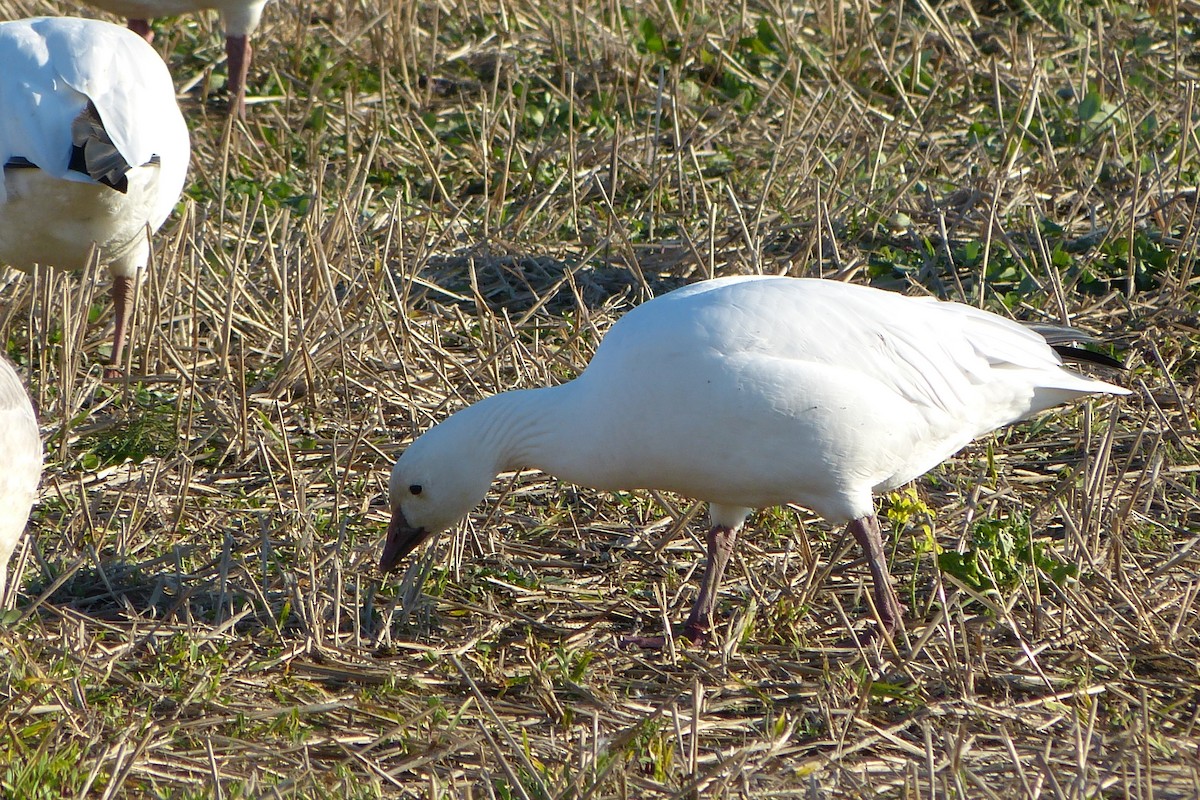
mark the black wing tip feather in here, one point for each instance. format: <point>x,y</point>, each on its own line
<point>93,152</point>
<point>1082,355</point>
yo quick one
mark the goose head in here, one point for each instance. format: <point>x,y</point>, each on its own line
<point>440,477</point>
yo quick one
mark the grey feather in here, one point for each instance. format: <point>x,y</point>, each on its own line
<point>94,153</point>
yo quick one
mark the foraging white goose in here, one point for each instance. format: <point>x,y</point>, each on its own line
<point>93,150</point>
<point>20,463</point>
<point>749,392</point>
<point>239,19</point>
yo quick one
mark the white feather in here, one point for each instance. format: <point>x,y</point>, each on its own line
<point>20,463</point>
<point>750,392</point>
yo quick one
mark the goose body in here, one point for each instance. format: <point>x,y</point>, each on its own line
<point>93,149</point>
<point>239,19</point>
<point>750,392</point>
<point>20,464</point>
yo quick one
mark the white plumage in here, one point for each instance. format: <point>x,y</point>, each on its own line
<point>20,464</point>
<point>239,18</point>
<point>749,392</point>
<point>93,148</point>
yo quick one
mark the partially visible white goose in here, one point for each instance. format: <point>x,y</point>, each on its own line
<point>93,148</point>
<point>239,18</point>
<point>20,464</point>
<point>749,392</point>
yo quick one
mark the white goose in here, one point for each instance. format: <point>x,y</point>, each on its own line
<point>749,392</point>
<point>93,150</point>
<point>20,464</point>
<point>239,19</point>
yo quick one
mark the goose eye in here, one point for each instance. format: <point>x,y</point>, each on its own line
<point>415,489</point>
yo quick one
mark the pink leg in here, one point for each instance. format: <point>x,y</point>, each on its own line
<point>720,548</point>
<point>142,28</point>
<point>867,534</point>
<point>699,622</point>
<point>237,53</point>
<point>122,294</point>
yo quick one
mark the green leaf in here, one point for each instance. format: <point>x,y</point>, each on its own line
<point>1089,106</point>
<point>651,38</point>
<point>965,567</point>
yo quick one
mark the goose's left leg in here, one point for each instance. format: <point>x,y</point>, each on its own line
<point>867,534</point>
<point>720,548</point>
<point>122,294</point>
<point>721,539</point>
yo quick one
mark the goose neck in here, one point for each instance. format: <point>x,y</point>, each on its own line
<point>526,428</point>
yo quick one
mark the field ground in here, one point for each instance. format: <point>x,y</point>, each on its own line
<point>432,202</point>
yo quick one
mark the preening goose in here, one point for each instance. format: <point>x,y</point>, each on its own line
<point>749,392</point>
<point>239,19</point>
<point>20,464</point>
<point>93,147</point>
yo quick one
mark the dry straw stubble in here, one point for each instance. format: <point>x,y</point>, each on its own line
<point>431,203</point>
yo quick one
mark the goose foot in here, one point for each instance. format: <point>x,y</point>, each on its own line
<point>690,636</point>
<point>642,642</point>
<point>866,638</point>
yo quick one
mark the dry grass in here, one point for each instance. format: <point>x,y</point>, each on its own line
<point>435,202</point>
